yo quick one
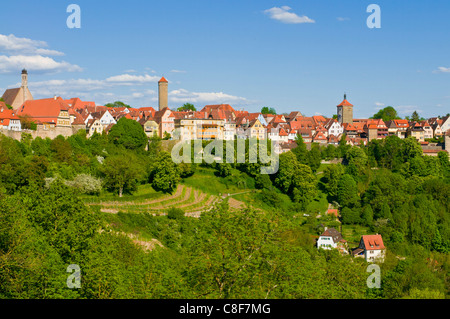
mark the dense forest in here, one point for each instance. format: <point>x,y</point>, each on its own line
<point>387,187</point>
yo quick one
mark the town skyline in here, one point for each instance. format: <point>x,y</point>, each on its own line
<point>290,56</point>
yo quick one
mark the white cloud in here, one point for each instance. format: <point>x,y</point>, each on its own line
<point>64,87</point>
<point>407,109</point>
<point>12,44</point>
<point>184,96</point>
<point>178,71</point>
<point>19,53</point>
<point>132,79</point>
<point>379,105</point>
<point>36,63</point>
<point>342,19</point>
<point>442,69</point>
<point>131,89</point>
<point>283,15</point>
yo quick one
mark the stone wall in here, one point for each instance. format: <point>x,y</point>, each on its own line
<point>51,133</point>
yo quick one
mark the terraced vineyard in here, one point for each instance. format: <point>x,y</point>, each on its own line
<point>192,201</point>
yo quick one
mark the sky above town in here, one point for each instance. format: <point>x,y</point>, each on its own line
<point>289,55</point>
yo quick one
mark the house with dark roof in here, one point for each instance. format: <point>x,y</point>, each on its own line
<point>332,239</point>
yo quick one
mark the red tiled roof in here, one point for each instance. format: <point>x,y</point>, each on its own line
<point>319,136</point>
<point>345,103</point>
<point>46,110</point>
<point>373,242</point>
<point>6,114</point>
<point>319,119</point>
<point>333,212</point>
<point>224,107</point>
<point>163,80</point>
<point>283,132</point>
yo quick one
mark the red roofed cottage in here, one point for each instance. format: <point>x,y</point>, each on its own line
<point>371,247</point>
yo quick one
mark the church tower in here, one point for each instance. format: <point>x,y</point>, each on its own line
<point>24,84</point>
<point>17,96</point>
<point>345,111</point>
<point>163,93</point>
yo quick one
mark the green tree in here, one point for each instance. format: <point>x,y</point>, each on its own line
<point>262,181</point>
<point>267,110</point>
<point>415,117</point>
<point>223,169</point>
<point>387,114</point>
<point>175,213</point>
<point>314,157</point>
<point>350,216</point>
<point>62,150</point>
<point>129,134</point>
<point>121,173</point>
<point>347,191</point>
<point>27,122</point>
<point>367,215</point>
<point>117,104</point>
<point>412,148</point>
<point>187,107</point>
<point>301,152</point>
<point>330,179</point>
<point>165,174</point>
<point>357,157</point>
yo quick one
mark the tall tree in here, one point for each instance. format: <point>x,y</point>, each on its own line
<point>121,172</point>
<point>165,174</point>
<point>129,134</point>
<point>347,191</point>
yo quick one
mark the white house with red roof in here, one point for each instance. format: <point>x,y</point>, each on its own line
<point>371,247</point>
<point>9,119</point>
<point>333,127</point>
<point>105,118</point>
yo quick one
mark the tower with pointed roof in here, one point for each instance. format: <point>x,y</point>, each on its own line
<point>345,111</point>
<point>163,93</point>
<point>17,96</point>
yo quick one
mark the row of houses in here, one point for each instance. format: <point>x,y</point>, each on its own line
<point>371,247</point>
<point>211,122</point>
<point>215,122</point>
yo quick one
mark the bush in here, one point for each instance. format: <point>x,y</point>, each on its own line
<point>262,181</point>
<point>86,184</point>
<point>175,213</point>
<point>270,197</point>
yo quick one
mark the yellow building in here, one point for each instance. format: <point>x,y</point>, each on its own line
<point>256,130</point>
<point>202,129</point>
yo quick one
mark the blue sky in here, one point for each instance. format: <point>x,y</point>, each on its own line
<point>290,55</point>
